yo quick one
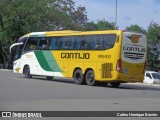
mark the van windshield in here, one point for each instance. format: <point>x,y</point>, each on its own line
<point>156,75</point>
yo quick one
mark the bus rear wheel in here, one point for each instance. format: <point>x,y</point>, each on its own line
<point>115,84</point>
<point>26,72</point>
<point>78,77</point>
<point>89,77</point>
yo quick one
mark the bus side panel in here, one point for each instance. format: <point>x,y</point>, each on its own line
<point>49,64</point>
<point>28,59</point>
<point>115,53</point>
<point>129,74</point>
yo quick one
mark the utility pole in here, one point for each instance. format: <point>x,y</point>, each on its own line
<point>116,16</point>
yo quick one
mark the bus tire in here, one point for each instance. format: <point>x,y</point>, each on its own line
<point>89,77</point>
<point>78,77</point>
<point>115,84</point>
<point>49,77</point>
<point>26,72</point>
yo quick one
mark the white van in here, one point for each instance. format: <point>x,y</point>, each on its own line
<point>151,77</point>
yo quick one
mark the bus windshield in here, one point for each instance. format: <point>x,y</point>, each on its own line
<point>17,48</point>
<point>17,52</point>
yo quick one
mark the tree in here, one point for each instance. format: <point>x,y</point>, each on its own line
<point>136,28</point>
<point>90,26</point>
<point>100,25</point>
<point>105,25</point>
<point>18,17</point>
<point>154,46</point>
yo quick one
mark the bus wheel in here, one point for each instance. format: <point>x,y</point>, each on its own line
<point>49,77</point>
<point>26,72</point>
<point>90,78</point>
<point>78,77</point>
<point>115,84</point>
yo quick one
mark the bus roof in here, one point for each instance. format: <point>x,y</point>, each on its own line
<point>68,33</point>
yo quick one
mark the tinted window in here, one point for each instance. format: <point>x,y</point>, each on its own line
<point>67,43</point>
<point>17,52</point>
<point>56,43</point>
<point>108,41</point>
<point>156,75</point>
<point>88,42</point>
<point>148,75</point>
<point>31,44</point>
<point>44,43</point>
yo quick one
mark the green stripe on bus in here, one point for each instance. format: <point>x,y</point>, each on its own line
<point>42,61</point>
<point>51,61</point>
<point>47,61</point>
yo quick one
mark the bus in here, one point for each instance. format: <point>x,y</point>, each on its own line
<point>89,57</point>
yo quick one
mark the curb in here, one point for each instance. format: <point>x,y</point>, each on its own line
<point>144,84</point>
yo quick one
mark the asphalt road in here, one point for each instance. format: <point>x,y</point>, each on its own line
<point>38,94</point>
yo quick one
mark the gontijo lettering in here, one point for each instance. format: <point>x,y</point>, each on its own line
<point>75,55</point>
<point>134,49</point>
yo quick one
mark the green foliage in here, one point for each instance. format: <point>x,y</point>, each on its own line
<point>154,33</point>
<point>154,46</point>
<point>90,26</point>
<point>105,25</point>
<point>135,28</point>
<point>100,25</point>
<point>18,17</point>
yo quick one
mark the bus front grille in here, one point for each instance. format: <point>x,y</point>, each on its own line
<point>106,70</point>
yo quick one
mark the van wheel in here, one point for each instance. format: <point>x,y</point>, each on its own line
<point>90,80</point>
<point>78,77</point>
<point>26,72</point>
<point>115,84</point>
<point>154,82</point>
<point>49,77</point>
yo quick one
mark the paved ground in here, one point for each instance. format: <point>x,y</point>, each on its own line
<point>37,94</point>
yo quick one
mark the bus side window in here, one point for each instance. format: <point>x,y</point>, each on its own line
<point>44,44</point>
<point>89,43</point>
<point>31,44</point>
<point>94,38</point>
<point>76,43</point>
<point>60,43</point>
<point>83,43</point>
<point>98,42</point>
<point>109,41</point>
<point>72,42</point>
<point>68,45</point>
<point>54,43</point>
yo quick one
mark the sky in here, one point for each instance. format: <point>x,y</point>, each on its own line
<point>129,12</point>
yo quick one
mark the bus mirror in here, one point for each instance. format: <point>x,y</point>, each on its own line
<point>13,45</point>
